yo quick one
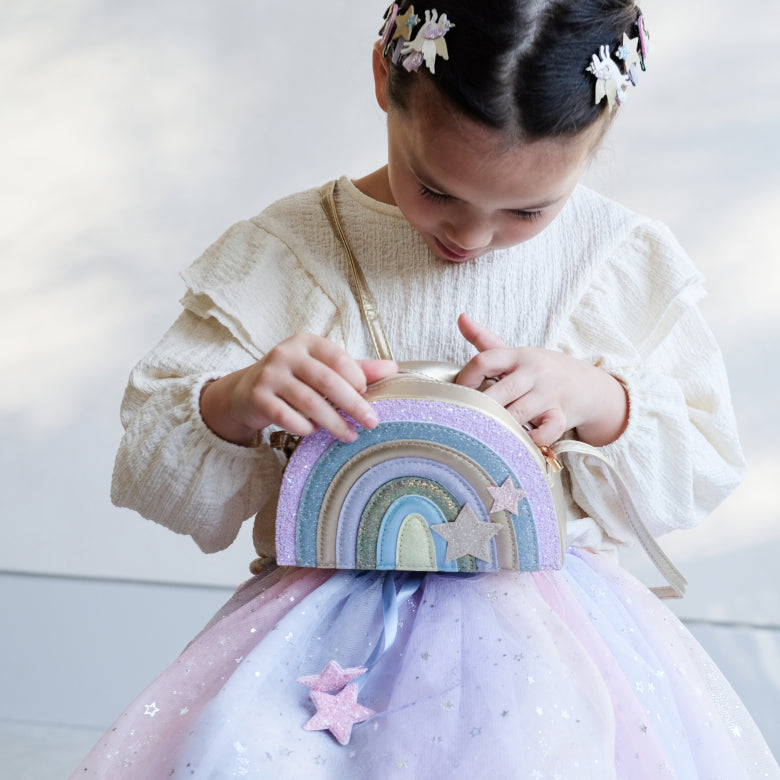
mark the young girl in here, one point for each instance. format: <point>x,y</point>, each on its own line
<point>584,313</point>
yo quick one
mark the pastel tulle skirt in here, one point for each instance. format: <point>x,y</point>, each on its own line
<point>574,674</point>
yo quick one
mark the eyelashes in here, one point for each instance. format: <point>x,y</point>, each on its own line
<point>438,197</point>
<point>529,216</point>
<point>432,195</point>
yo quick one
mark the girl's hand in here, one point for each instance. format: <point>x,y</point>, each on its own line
<point>552,391</point>
<point>298,385</point>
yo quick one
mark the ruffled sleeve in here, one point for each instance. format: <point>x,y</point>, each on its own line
<point>170,467</point>
<point>639,320</point>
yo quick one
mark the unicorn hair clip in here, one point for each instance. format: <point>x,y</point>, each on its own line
<point>612,82</point>
<point>426,45</point>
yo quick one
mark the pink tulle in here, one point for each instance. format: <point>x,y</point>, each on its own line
<point>579,673</point>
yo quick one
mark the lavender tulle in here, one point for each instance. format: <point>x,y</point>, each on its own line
<point>580,673</point>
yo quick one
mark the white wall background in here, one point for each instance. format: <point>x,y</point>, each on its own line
<point>133,134</point>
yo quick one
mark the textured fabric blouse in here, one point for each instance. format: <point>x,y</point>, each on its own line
<point>600,283</point>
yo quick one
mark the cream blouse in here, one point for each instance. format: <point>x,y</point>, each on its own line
<point>600,283</point>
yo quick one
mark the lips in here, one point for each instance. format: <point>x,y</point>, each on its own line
<point>455,255</point>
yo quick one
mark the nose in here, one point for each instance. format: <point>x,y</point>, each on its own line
<point>469,233</point>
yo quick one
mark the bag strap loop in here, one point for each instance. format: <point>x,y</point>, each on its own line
<point>677,583</point>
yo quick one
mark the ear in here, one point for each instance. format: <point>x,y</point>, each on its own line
<point>381,72</point>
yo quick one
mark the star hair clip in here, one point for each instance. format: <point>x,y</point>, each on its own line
<point>612,82</point>
<point>427,44</point>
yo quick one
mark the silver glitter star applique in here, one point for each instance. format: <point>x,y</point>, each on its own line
<point>467,535</point>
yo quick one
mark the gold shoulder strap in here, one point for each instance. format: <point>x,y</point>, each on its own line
<point>357,281</point>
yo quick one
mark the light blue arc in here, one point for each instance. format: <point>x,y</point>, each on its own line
<point>396,513</point>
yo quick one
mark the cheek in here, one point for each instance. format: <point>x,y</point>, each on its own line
<point>403,192</point>
<point>521,231</point>
<point>418,211</point>
<point>425,212</point>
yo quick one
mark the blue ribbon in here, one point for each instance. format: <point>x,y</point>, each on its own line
<point>391,600</point>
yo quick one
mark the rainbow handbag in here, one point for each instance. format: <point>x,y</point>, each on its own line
<point>448,481</point>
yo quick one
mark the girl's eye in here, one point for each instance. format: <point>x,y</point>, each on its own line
<point>529,216</point>
<point>439,197</point>
<point>436,197</point>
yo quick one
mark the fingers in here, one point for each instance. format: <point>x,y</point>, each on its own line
<point>327,380</point>
<point>527,386</point>
<point>496,363</point>
<point>495,358</point>
<point>374,370</point>
<point>344,395</point>
<point>333,385</point>
<point>331,366</point>
<point>299,408</point>
<point>550,426</point>
<point>306,381</point>
<point>552,390</point>
<point>478,335</point>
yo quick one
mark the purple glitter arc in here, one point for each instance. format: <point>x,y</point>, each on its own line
<point>308,452</point>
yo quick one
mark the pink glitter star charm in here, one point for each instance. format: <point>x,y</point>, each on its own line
<point>507,496</point>
<point>339,713</point>
<point>332,678</point>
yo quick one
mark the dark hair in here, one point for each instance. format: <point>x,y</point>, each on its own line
<point>520,65</point>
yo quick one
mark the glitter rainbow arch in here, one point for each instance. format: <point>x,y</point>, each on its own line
<point>436,486</point>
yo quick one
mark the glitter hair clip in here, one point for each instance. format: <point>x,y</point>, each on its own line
<point>427,44</point>
<point>612,81</point>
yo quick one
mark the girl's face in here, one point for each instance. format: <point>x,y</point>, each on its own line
<point>464,188</point>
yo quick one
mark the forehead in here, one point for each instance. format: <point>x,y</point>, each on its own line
<point>467,159</point>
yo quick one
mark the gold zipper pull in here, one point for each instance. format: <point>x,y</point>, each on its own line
<point>552,462</point>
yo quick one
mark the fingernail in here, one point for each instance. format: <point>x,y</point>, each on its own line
<point>371,420</point>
